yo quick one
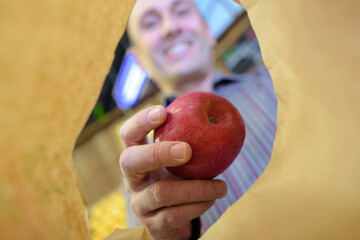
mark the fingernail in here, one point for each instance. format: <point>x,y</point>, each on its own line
<point>220,188</point>
<point>178,151</point>
<point>154,115</point>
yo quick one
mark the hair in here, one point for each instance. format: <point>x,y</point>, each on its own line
<point>127,31</point>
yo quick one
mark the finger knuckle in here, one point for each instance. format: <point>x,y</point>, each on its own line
<point>166,221</point>
<point>124,159</point>
<point>188,195</point>
<point>162,192</point>
<point>127,187</point>
<point>135,206</point>
<point>153,227</point>
<point>155,154</point>
<point>123,132</point>
<point>171,218</point>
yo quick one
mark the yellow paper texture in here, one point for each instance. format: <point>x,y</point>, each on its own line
<point>54,56</point>
<point>137,233</point>
<point>310,189</point>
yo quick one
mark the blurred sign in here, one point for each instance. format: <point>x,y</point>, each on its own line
<point>219,14</point>
<point>243,54</point>
<point>130,82</point>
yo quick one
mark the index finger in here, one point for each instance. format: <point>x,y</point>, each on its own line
<point>137,162</point>
<point>134,131</point>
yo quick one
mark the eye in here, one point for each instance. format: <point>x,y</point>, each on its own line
<point>150,22</point>
<point>182,10</point>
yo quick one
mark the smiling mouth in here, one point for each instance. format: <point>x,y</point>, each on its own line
<point>177,48</point>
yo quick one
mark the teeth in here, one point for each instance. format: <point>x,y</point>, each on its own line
<point>178,48</point>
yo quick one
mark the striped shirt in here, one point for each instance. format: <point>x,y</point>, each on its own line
<point>253,95</point>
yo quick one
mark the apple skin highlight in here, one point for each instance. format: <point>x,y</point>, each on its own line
<point>211,125</point>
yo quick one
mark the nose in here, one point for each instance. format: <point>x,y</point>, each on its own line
<point>170,27</point>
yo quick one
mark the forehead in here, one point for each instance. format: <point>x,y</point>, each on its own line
<point>142,7</point>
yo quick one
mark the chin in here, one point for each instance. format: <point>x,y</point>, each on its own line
<point>190,71</point>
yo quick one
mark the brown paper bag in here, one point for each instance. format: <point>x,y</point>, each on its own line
<point>310,189</point>
<point>54,56</point>
<point>137,233</point>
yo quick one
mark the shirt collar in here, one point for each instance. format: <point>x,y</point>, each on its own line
<point>220,78</point>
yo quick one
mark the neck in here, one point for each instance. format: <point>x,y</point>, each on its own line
<point>195,82</point>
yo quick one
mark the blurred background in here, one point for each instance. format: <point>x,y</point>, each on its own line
<point>98,147</point>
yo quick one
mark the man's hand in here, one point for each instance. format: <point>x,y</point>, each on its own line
<point>162,202</point>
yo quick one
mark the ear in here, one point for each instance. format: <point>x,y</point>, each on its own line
<point>211,37</point>
<point>213,40</point>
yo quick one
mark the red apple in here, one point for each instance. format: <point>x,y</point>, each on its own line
<point>211,125</point>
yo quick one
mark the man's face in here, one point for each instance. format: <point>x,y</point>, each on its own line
<point>171,38</point>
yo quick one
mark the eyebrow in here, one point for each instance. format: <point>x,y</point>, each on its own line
<point>178,2</point>
<point>148,12</point>
<point>173,4</point>
<point>182,1</point>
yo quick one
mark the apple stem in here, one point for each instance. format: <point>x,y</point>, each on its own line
<point>212,119</point>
